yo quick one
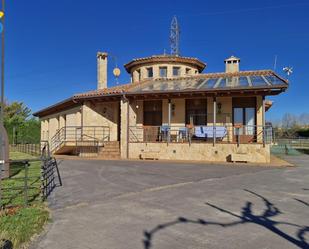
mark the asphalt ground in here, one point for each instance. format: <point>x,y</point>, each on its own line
<point>156,205</point>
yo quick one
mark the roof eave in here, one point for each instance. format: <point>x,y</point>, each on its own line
<point>257,90</point>
<point>67,103</point>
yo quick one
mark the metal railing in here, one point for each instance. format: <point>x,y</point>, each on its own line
<point>79,135</point>
<point>185,134</point>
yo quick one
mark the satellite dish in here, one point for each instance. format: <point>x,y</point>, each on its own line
<point>116,72</point>
<point>288,70</point>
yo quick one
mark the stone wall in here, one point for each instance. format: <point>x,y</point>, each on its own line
<point>140,73</point>
<point>255,153</point>
<point>51,123</point>
<point>98,114</point>
<point>102,114</point>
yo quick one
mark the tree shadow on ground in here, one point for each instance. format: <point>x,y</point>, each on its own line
<point>247,216</point>
<point>301,201</point>
<point>16,167</point>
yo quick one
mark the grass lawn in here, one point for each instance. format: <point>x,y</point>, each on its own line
<point>19,223</point>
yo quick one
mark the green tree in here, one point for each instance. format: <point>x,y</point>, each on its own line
<point>21,127</point>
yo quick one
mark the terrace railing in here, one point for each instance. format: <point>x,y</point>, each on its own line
<point>185,134</point>
<point>80,135</point>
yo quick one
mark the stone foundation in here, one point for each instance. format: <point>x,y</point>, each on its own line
<point>255,153</point>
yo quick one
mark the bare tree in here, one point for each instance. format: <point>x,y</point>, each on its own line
<point>289,121</point>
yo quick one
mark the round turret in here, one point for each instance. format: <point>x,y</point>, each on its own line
<point>163,66</point>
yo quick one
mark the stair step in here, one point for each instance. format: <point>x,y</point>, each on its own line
<point>108,150</point>
<point>110,153</point>
<point>110,146</point>
<point>112,143</point>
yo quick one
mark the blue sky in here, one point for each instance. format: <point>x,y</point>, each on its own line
<point>51,45</point>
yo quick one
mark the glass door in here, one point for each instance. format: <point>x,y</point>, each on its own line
<point>238,121</point>
<point>244,124</point>
<point>250,121</point>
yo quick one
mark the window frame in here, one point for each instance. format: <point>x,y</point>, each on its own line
<point>163,68</point>
<point>150,115</point>
<point>197,111</point>
<point>149,72</point>
<point>177,68</point>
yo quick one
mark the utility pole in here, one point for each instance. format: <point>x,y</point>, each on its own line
<point>2,153</point>
<point>2,63</point>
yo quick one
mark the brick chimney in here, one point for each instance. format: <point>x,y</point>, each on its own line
<point>102,69</point>
<point>232,64</point>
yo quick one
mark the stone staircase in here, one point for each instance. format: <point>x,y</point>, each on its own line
<point>110,150</point>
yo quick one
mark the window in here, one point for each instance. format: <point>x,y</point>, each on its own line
<point>149,72</point>
<point>163,71</point>
<point>196,111</point>
<point>188,70</point>
<point>176,71</point>
<point>139,74</point>
<point>153,112</point>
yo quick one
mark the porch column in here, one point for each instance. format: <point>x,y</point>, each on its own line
<point>124,128</point>
<point>82,121</point>
<point>263,120</point>
<point>169,120</point>
<point>214,120</point>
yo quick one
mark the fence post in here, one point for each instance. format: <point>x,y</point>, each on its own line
<point>1,165</point>
<point>26,183</point>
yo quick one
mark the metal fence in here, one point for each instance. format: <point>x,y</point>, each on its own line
<point>29,182</point>
<point>23,184</point>
<point>31,149</point>
<point>290,146</point>
<point>297,143</point>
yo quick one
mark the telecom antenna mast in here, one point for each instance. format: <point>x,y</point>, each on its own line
<point>174,37</point>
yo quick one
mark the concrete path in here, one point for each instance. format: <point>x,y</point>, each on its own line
<point>158,205</point>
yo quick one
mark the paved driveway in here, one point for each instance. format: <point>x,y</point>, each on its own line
<point>156,205</point>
